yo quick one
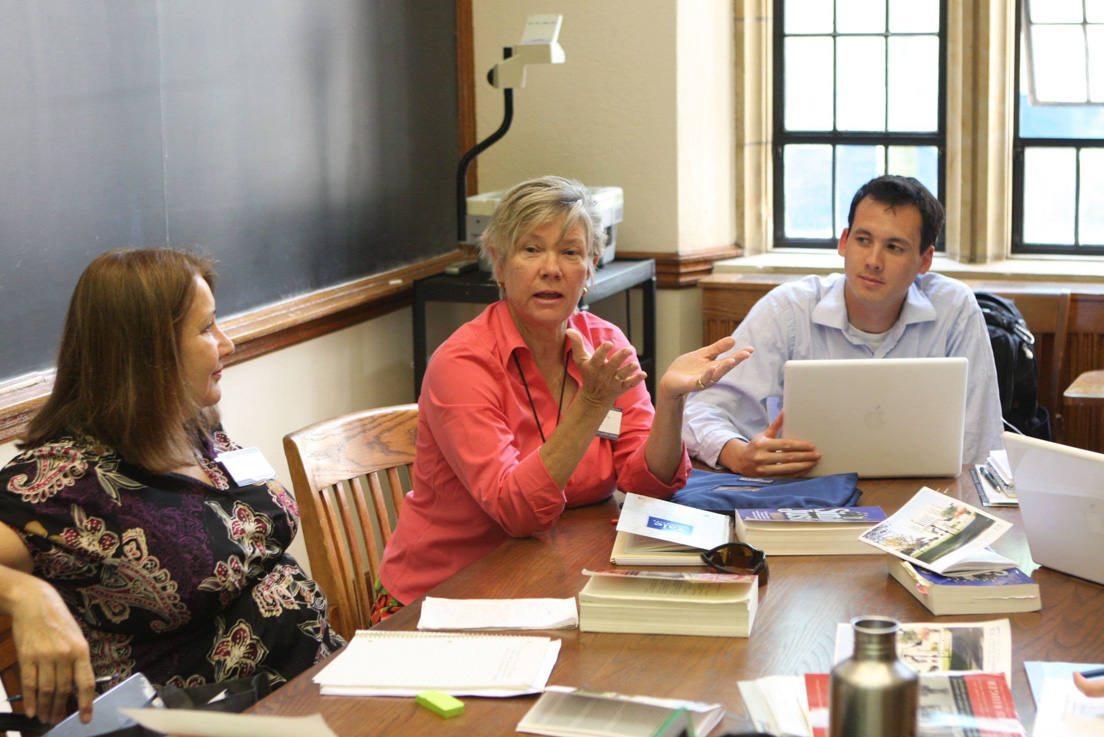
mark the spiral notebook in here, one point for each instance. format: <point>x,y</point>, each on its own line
<point>379,663</point>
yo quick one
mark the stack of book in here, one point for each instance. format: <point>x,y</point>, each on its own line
<point>832,531</point>
<point>989,592</point>
<point>940,554</point>
<point>668,603</point>
<point>653,532</point>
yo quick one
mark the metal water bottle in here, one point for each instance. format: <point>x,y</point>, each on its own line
<point>873,693</point>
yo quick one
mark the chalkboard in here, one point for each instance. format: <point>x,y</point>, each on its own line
<point>302,143</point>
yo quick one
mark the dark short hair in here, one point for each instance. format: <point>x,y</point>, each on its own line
<point>892,190</point>
<point>119,375</point>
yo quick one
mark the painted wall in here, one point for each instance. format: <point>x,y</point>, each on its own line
<point>644,101</point>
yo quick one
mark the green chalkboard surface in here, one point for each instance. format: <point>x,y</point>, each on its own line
<point>302,143</point>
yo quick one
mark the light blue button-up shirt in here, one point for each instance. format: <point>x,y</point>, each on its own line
<point>807,319</point>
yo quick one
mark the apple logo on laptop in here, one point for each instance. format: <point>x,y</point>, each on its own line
<point>1094,519</point>
<point>875,418</point>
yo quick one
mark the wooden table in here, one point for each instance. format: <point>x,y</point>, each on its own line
<point>794,630</point>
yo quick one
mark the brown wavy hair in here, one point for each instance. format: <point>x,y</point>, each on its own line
<point>119,374</point>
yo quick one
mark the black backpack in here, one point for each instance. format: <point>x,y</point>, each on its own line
<point>1017,368</point>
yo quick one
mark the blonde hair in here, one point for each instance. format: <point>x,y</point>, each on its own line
<point>533,203</point>
<point>120,378</point>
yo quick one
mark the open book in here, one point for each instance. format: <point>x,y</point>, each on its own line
<point>941,534</point>
<point>926,647</point>
<point>563,712</point>
<point>379,663</point>
<point>653,532</point>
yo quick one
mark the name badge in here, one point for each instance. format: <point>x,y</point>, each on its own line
<point>246,466</point>
<point>611,426</point>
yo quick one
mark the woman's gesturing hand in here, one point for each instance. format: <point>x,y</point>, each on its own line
<point>607,374</point>
<point>701,369</point>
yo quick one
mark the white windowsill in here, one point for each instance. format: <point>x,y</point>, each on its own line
<point>1039,269</point>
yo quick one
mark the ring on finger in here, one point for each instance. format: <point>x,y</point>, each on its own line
<point>700,383</point>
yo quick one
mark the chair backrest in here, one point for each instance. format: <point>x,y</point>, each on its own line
<point>342,531</point>
<point>9,665</point>
<point>1048,313</point>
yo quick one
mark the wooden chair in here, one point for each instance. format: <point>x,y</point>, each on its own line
<point>1047,313</point>
<point>9,665</point>
<point>345,536</point>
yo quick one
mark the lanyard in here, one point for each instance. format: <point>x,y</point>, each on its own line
<point>532,406</point>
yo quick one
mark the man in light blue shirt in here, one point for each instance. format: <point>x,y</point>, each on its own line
<point>886,304</point>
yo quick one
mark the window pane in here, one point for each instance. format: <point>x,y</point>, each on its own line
<point>1091,206</point>
<point>1058,55</point>
<point>808,16</point>
<point>1048,196</point>
<point>860,16</point>
<point>860,76</point>
<point>913,83</point>
<point>914,16</point>
<point>809,84</point>
<point>855,166</point>
<point>921,162</point>
<point>808,191</point>
<point>1095,38</point>
<point>1054,11</point>
<point>1094,11</point>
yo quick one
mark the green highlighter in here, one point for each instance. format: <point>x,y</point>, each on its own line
<point>677,725</point>
<point>440,703</point>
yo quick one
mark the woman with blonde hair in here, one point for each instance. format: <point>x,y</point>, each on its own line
<point>534,406</point>
<point>127,546</point>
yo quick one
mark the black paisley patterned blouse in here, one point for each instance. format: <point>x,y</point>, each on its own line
<point>186,582</point>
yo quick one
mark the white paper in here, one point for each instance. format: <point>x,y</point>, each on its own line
<point>675,523</point>
<point>1038,671</point>
<point>1066,712</point>
<point>220,724</point>
<point>457,664</point>
<point>486,614</point>
<point>247,466</point>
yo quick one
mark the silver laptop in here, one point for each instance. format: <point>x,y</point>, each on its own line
<point>879,417</point>
<point>1061,492</point>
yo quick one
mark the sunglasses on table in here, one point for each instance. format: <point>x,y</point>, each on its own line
<point>738,558</point>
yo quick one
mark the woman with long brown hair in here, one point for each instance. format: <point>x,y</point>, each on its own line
<point>127,546</point>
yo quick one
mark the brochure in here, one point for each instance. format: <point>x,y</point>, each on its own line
<point>968,647</point>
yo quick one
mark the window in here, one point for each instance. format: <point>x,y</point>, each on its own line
<point>858,92</point>
<point>1058,155</point>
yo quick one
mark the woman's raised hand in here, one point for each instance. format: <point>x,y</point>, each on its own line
<point>701,369</point>
<point>607,374</point>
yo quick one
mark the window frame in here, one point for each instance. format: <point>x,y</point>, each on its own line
<point>1020,144</point>
<point>835,138</point>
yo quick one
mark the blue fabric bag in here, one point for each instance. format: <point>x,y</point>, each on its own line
<point>726,492</point>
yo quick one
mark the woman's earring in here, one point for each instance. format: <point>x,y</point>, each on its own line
<point>585,290</point>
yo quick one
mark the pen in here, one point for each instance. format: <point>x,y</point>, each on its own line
<point>990,478</point>
<point>100,680</point>
<point>1094,673</point>
<point>1003,485</point>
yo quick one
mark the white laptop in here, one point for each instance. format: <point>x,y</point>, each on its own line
<point>1061,493</point>
<point>879,417</point>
